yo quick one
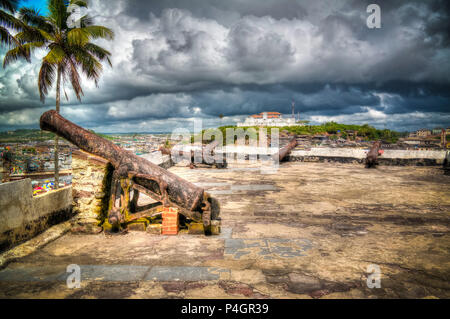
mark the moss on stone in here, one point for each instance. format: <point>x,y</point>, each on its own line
<point>102,210</point>
<point>196,228</point>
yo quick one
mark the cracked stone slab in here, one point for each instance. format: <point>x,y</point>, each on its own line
<point>236,189</point>
<point>225,233</point>
<point>300,283</point>
<point>31,274</point>
<point>184,273</point>
<point>267,248</point>
<point>113,272</point>
<point>117,273</point>
<point>87,272</point>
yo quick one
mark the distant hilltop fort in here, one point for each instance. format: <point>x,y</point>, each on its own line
<point>268,119</point>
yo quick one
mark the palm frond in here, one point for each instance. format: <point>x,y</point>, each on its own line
<point>10,5</point>
<point>9,21</point>
<point>46,78</point>
<point>74,77</point>
<point>98,52</point>
<point>14,55</point>
<point>58,13</point>
<point>48,36</point>
<point>30,34</point>
<point>33,18</point>
<point>90,66</point>
<point>20,52</point>
<point>5,37</point>
<point>56,55</point>
<point>81,36</point>
<point>86,21</point>
<point>79,3</point>
<point>77,36</point>
<point>96,32</point>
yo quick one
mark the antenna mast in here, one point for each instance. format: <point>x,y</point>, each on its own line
<point>293,109</point>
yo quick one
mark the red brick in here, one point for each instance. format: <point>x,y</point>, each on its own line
<point>170,217</point>
<point>169,233</point>
<point>170,228</point>
<point>170,209</point>
<point>170,221</point>
<point>170,225</point>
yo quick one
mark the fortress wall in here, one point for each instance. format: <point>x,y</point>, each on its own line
<point>23,216</point>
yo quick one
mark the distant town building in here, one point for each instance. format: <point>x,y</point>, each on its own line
<point>423,132</point>
<point>437,131</point>
<point>351,133</point>
<point>268,119</point>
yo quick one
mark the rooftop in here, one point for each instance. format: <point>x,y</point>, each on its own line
<point>269,115</point>
<point>326,223</point>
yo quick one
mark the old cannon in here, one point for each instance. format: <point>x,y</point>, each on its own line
<point>134,174</point>
<point>372,155</point>
<point>206,156</point>
<point>285,150</point>
<point>446,164</point>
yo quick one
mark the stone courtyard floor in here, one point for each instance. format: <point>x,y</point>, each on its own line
<point>309,231</point>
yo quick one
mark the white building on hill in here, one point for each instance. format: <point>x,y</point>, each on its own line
<point>268,119</point>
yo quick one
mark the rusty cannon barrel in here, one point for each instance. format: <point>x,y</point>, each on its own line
<point>205,156</point>
<point>208,149</point>
<point>446,164</point>
<point>285,150</point>
<point>179,191</point>
<point>209,155</point>
<point>372,155</point>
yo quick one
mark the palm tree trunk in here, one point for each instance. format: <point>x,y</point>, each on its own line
<point>58,100</point>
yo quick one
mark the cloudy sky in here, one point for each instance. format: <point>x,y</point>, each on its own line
<point>177,60</point>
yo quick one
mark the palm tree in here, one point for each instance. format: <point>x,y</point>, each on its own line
<point>69,50</point>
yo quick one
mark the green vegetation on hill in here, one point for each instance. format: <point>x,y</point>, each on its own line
<point>365,131</point>
<point>30,135</point>
<point>107,137</point>
<point>25,135</point>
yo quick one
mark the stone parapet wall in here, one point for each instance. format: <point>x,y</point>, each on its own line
<point>23,216</point>
<point>341,155</point>
<point>389,157</point>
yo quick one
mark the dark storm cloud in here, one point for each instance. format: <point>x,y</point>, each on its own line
<point>223,11</point>
<point>176,60</point>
